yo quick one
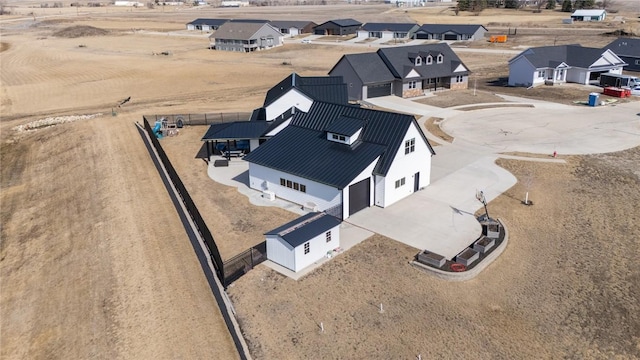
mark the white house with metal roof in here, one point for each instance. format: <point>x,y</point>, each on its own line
<point>589,15</point>
<point>303,241</point>
<point>342,159</point>
<point>562,63</point>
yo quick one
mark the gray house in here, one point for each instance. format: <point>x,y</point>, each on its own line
<point>337,27</point>
<point>406,71</point>
<point>388,31</point>
<point>628,49</point>
<point>245,37</point>
<point>450,32</point>
<point>206,25</point>
<point>294,27</point>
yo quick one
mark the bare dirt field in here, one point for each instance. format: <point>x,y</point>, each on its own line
<point>94,262</point>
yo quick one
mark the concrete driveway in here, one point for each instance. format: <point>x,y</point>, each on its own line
<point>440,217</point>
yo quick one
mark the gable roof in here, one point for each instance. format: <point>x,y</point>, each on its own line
<point>388,26</point>
<point>236,30</point>
<point>552,56</point>
<point>342,22</point>
<point>288,24</point>
<point>302,148</point>
<point>625,47</point>
<point>399,60</point>
<point>369,67</point>
<point>345,125</point>
<point>304,228</point>
<point>210,22</point>
<point>321,88</point>
<point>456,28</point>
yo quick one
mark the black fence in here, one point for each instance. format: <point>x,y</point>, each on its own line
<point>201,119</point>
<point>216,259</point>
<point>240,264</point>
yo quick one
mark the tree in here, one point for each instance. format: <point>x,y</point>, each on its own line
<point>464,5</point>
<point>511,4</point>
<point>551,4</point>
<point>566,6</point>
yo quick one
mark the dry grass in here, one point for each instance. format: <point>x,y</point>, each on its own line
<point>432,125</point>
<point>450,98</point>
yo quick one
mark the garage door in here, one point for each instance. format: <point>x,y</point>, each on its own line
<point>378,90</point>
<point>358,196</point>
<point>450,36</point>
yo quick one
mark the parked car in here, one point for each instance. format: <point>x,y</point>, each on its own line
<point>306,41</point>
<point>635,90</point>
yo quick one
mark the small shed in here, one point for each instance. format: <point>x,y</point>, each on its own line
<point>589,15</point>
<point>303,241</point>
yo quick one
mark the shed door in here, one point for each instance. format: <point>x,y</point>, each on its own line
<point>359,196</point>
<point>378,90</point>
<point>450,36</point>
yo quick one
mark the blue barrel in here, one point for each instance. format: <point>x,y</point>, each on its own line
<point>593,99</point>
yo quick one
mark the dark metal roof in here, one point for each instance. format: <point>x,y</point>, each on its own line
<point>388,26</point>
<point>214,22</point>
<point>302,148</point>
<point>322,88</point>
<point>345,125</point>
<point>288,24</point>
<point>341,23</point>
<point>236,130</point>
<point>304,228</point>
<point>260,21</point>
<point>572,55</point>
<point>308,154</point>
<point>237,30</point>
<point>400,63</point>
<point>369,67</point>
<point>625,47</point>
<point>466,29</point>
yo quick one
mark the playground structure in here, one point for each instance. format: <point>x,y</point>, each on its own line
<point>163,127</point>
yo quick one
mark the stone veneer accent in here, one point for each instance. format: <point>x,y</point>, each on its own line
<point>459,86</point>
<point>412,93</point>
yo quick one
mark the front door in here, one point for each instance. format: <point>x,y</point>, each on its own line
<point>416,182</point>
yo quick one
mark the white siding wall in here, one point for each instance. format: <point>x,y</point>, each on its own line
<point>363,175</point>
<point>363,34</point>
<point>577,75</point>
<point>521,73</point>
<point>286,101</point>
<point>280,252</point>
<point>406,166</point>
<point>318,248</point>
<point>322,195</point>
<point>387,35</point>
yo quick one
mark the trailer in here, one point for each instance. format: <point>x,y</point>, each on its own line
<point>619,81</point>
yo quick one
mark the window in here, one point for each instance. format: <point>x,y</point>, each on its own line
<point>429,60</point>
<point>459,78</point>
<point>306,248</point>
<point>334,136</point>
<point>412,84</point>
<point>328,236</point>
<point>409,146</point>
<point>541,74</point>
<point>637,62</point>
<point>400,182</point>
<point>283,182</point>
<point>303,188</point>
<point>342,138</point>
<point>293,185</point>
<point>296,186</point>
<point>289,184</point>
<point>418,61</point>
<point>440,59</point>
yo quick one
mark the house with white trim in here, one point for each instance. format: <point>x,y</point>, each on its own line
<point>343,158</point>
<point>405,71</point>
<point>589,15</point>
<point>451,32</point>
<point>561,64</point>
<point>245,36</point>
<point>303,241</point>
<point>387,31</point>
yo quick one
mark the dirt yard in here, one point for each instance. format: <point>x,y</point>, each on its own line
<point>94,261</point>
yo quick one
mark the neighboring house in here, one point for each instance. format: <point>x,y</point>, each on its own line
<point>206,24</point>
<point>560,64</point>
<point>405,71</point>
<point>342,159</point>
<point>294,93</point>
<point>628,49</point>
<point>294,28</point>
<point>450,32</point>
<point>589,15</point>
<point>338,27</point>
<point>303,241</point>
<point>232,3</point>
<point>245,36</point>
<point>387,31</point>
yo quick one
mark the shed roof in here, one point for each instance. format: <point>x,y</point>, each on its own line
<point>345,125</point>
<point>236,130</point>
<point>588,12</point>
<point>304,228</point>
